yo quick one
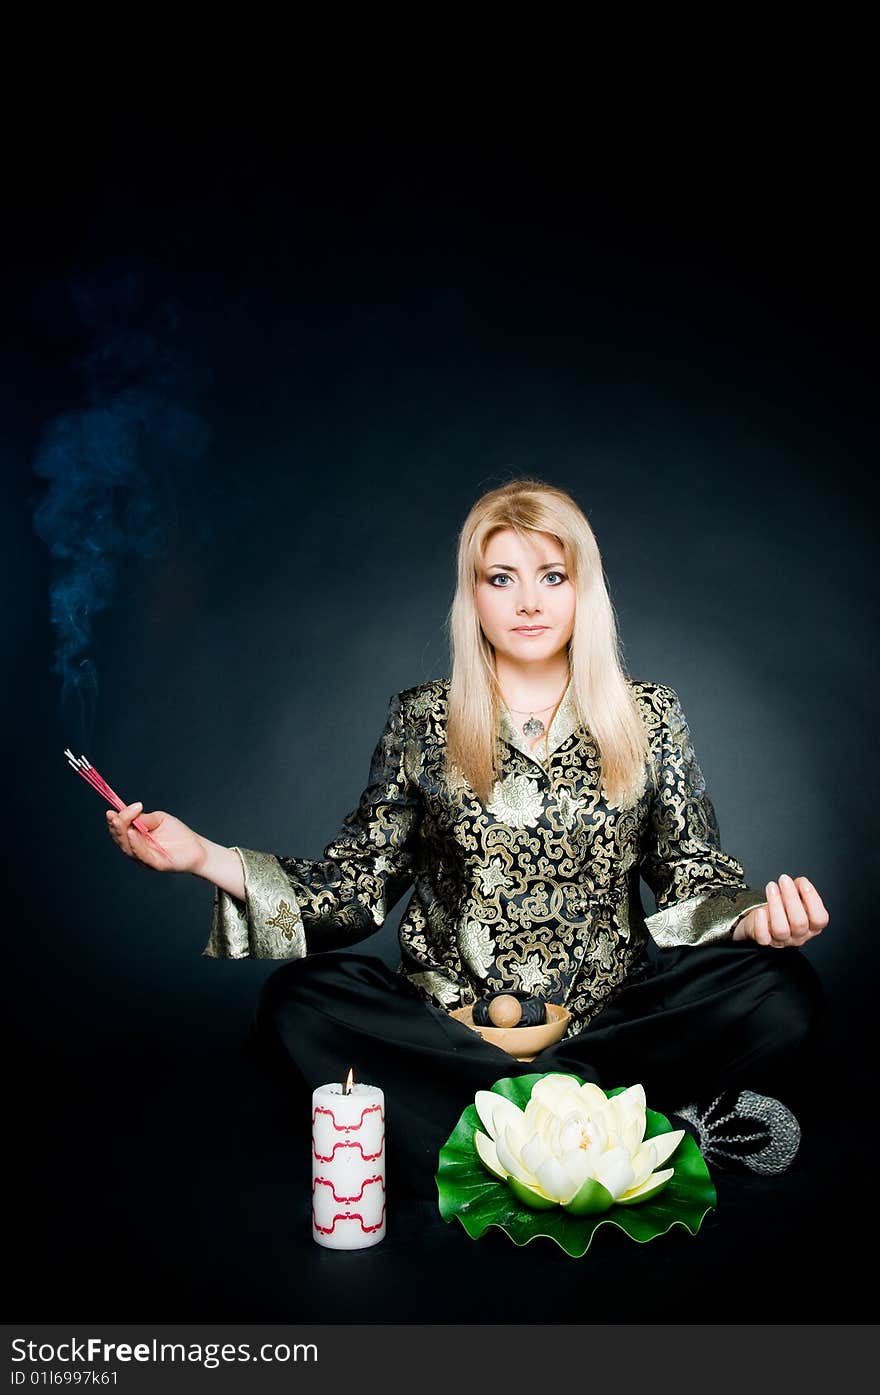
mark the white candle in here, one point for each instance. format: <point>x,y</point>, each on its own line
<point>348,1166</point>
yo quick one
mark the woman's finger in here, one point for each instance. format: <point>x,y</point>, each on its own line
<point>120,823</point>
<point>760,926</point>
<point>818,915</point>
<point>796,911</point>
<point>141,850</point>
<point>117,834</point>
<point>127,817</point>
<point>779,931</point>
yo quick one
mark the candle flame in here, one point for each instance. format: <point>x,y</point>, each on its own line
<point>349,1081</point>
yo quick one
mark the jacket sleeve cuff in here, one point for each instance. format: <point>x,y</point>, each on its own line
<point>267,924</point>
<point>709,918</point>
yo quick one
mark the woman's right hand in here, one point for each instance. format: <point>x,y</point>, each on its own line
<point>186,851</point>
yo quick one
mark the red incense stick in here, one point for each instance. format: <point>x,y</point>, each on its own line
<point>97,781</point>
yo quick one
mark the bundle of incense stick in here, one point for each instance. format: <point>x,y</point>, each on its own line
<point>97,781</point>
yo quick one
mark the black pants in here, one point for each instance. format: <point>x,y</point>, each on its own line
<point>686,1023</point>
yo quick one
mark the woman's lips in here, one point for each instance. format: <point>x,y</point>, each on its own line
<point>530,629</point>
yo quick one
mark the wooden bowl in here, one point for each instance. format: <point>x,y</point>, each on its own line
<point>522,1042</point>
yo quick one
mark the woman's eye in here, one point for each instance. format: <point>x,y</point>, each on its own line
<point>499,576</point>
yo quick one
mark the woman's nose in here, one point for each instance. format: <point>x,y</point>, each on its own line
<point>529,603</point>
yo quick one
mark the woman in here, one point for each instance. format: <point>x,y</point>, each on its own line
<point>522,800</point>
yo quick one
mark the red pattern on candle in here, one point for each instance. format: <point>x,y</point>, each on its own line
<point>349,1216</point>
<point>345,1128</point>
<point>325,1182</point>
<point>367,1157</point>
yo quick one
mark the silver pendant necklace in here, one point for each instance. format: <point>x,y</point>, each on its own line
<point>533,726</point>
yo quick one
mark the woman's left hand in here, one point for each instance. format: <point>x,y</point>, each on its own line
<point>793,915</point>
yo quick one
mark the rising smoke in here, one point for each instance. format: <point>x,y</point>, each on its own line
<point>113,466</point>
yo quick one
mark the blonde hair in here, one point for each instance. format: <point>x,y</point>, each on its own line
<point>603,699</point>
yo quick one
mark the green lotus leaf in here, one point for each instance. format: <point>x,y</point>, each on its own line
<point>471,1195</point>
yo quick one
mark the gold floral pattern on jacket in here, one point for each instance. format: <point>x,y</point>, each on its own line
<point>538,889</point>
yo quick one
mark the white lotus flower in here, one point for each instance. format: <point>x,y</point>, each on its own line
<point>573,1146</point>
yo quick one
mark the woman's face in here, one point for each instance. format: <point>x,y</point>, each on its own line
<point>525,582</point>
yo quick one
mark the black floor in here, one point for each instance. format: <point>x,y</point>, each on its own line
<point>174,1186</point>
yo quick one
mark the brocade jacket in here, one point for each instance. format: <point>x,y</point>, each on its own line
<point>538,890</point>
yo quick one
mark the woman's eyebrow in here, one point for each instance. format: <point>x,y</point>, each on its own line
<point>545,566</point>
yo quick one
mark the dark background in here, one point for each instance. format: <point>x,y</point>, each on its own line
<point>361,334</point>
